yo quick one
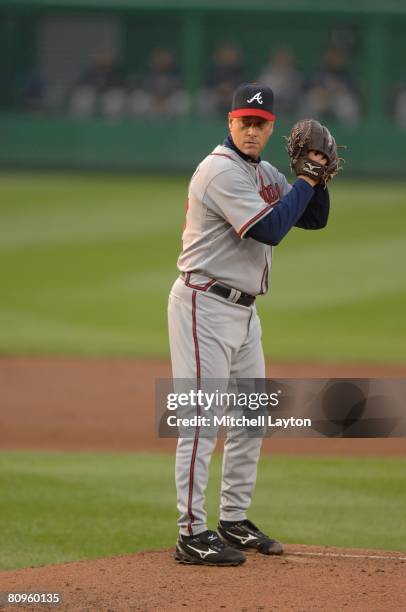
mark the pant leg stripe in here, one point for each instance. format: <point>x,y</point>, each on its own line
<point>196,439</point>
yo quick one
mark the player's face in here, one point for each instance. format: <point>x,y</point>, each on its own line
<point>250,134</point>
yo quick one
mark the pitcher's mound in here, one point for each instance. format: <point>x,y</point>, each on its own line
<point>305,578</point>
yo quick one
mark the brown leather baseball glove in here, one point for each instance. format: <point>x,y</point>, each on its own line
<point>307,135</point>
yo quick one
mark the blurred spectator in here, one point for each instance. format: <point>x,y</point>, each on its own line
<point>400,107</point>
<point>32,90</point>
<point>330,93</point>
<point>100,90</point>
<point>225,73</point>
<point>282,75</point>
<point>160,92</point>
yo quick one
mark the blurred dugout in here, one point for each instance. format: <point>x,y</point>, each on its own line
<point>132,63</point>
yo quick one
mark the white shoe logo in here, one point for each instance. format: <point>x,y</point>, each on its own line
<point>203,553</point>
<point>243,539</point>
<point>257,97</point>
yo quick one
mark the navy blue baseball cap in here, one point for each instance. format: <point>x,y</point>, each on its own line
<point>253,99</point>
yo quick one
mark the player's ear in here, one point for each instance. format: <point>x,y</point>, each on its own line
<point>230,120</point>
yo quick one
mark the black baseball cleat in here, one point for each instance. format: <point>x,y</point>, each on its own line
<point>206,549</point>
<point>244,535</point>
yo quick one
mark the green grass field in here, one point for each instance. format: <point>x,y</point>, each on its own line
<point>87,263</point>
<point>61,507</point>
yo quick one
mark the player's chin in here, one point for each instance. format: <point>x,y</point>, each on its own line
<point>251,149</point>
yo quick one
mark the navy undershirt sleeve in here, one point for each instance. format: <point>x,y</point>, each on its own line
<point>316,214</point>
<point>275,225</point>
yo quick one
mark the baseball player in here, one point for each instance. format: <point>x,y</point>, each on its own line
<point>239,207</point>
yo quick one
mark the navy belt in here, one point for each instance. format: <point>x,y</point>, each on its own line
<point>231,295</point>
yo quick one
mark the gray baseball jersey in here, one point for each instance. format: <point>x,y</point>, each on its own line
<point>227,196</point>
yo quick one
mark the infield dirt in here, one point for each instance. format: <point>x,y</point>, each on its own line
<point>108,405</point>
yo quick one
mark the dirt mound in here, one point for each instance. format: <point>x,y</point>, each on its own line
<point>306,578</point>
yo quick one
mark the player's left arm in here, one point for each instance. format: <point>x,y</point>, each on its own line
<point>316,214</point>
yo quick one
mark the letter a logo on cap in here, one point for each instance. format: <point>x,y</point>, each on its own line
<point>253,100</point>
<point>257,97</point>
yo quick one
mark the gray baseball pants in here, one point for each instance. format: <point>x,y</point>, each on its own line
<point>211,337</point>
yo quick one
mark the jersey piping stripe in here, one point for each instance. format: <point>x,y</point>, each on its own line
<point>254,219</point>
<point>258,216</point>
<point>196,438</point>
<point>199,287</point>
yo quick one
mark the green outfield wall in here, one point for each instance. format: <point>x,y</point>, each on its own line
<point>178,145</point>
